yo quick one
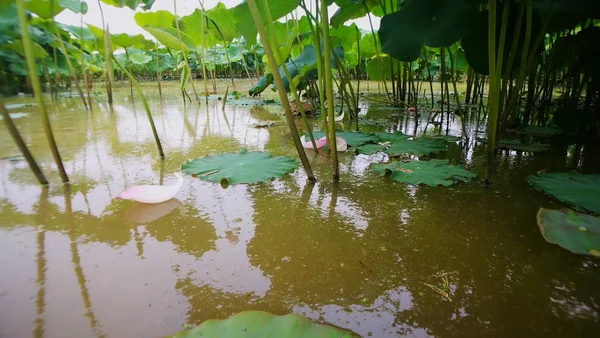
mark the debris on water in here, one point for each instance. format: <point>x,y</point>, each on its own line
<point>265,124</point>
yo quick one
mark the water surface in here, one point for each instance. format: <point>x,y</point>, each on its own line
<point>362,254</point>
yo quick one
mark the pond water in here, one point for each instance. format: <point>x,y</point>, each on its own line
<point>380,258</point>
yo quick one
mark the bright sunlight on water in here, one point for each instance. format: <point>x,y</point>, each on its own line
<point>380,258</point>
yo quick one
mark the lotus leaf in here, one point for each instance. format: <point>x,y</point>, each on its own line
<point>158,19</point>
<point>243,167</point>
<point>435,23</point>
<point>446,138</point>
<point>417,147</point>
<point>431,173</point>
<point>352,139</point>
<point>392,137</point>
<point>579,190</point>
<point>574,231</point>
<point>518,145</point>
<point>133,4</point>
<point>369,149</point>
<point>263,324</point>
<point>243,18</point>
<point>538,131</point>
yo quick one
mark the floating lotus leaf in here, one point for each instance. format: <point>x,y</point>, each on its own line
<point>392,137</point>
<point>417,147</point>
<point>263,324</point>
<point>431,173</point>
<point>518,145</point>
<point>538,131</point>
<point>445,138</point>
<point>574,231</point>
<point>241,167</point>
<point>369,148</point>
<point>352,139</point>
<point>579,190</point>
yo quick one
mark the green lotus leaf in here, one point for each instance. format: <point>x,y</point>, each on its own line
<point>353,139</point>
<point>47,9</point>
<point>574,231</point>
<point>445,138</point>
<point>17,45</point>
<point>139,58</point>
<point>417,147</point>
<point>518,145</point>
<point>158,19</point>
<point>133,4</point>
<point>580,190</point>
<point>431,173</point>
<point>263,324</point>
<point>538,131</point>
<point>243,167</point>
<point>222,17</point>
<point>434,23</point>
<point>379,68</point>
<point>369,149</point>
<point>245,24</point>
<point>392,137</point>
<point>170,38</point>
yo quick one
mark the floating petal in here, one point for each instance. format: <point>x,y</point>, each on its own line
<point>152,193</point>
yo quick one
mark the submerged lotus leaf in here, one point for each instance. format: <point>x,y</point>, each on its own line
<point>353,139</point>
<point>241,167</point>
<point>417,147</point>
<point>574,231</point>
<point>579,190</point>
<point>431,173</point>
<point>263,324</point>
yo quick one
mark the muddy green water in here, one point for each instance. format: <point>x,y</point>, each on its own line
<point>358,254</point>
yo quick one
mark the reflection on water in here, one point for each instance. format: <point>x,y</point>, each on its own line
<point>357,254</point>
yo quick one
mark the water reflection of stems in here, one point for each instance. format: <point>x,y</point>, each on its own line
<point>76,259</point>
<point>38,330</point>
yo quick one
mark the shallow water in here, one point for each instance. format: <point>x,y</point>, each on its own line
<point>362,254</point>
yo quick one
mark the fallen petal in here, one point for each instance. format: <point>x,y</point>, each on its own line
<point>308,145</point>
<point>152,193</point>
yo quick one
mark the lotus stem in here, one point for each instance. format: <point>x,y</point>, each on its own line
<point>37,89</point>
<point>279,83</point>
<point>70,66</point>
<point>110,73</point>
<point>329,90</point>
<point>140,93</point>
<point>293,88</point>
<point>184,51</point>
<point>14,133</point>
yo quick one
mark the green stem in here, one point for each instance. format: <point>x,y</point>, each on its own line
<point>37,89</point>
<point>14,133</point>
<point>142,97</point>
<point>329,90</point>
<point>279,83</point>
<point>293,88</point>
<point>184,52</point>
<point>74,78</point>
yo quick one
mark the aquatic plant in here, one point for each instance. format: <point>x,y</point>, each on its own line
<point>574,231</point>
<point>241,167</point>
<point>431,173</point>
<point>259,323</point>
<point>579,190</point>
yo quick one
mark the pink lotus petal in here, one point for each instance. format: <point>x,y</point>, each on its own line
<point>308,145</point>
<point>152,193</point>
<point>341,144</point>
